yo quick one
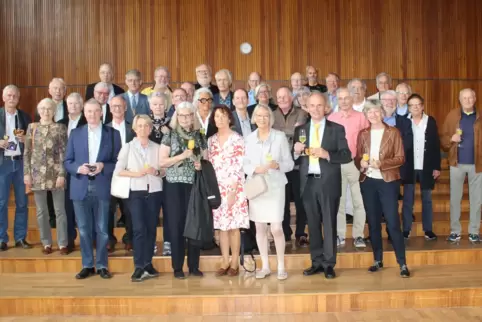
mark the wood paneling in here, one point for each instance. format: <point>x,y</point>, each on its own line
<point>434,44</point>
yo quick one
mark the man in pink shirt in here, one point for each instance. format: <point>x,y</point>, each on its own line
<point>354,122</point>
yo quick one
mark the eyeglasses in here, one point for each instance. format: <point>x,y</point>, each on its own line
<point>45,109</point>
<point>202,71</point>
<point>103,93</point>
<point>205,100</point>
<point>415,105</point>
<point>114,107</point>
<point>184,116</point>
<point>262,116</point>
<point>403,93</point>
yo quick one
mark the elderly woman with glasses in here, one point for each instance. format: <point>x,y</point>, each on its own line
<point>379,157</point>
<point>177,156</point>
<point>203,105</point>
<point>44,171</point>
<point>262,94</point>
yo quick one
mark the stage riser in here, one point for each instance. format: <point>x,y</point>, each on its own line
<point>254,304</point>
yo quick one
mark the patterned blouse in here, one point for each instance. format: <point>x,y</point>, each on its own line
<point>184,172</point>
<point>44,158</point>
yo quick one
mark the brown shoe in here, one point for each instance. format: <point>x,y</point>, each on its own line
<point>47,250</point>
<point>64,250</point>
<point>222,271</point>
<point>233,272</point>
<point>302,242</point>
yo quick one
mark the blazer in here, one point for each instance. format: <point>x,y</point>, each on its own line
<point>142,107</point>
<point>391,157</point>
<point>213,88</point>
<point>65,121</point>
<point>237,124</point>
<point>278,148</point>
<point>431,155</point>
<point>23,121</point>
<point>404,125</point>
<point>65,109</point>
<point>129,132</point>
<point>78,153</point>
<point>251,108</point>
<point>89,91</point>
<point>334,142</point>
<point>108,117</point>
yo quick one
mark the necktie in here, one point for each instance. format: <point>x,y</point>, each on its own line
<point>315,143</point>
<point>133,105</point>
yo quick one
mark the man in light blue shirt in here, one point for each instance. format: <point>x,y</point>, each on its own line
<point>403,93</point>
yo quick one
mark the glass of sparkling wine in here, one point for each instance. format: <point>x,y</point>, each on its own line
<point>459,132</point>
<point>303,139</point>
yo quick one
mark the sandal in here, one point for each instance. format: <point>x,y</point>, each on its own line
<point>233,272</point>
<point>222,271</point>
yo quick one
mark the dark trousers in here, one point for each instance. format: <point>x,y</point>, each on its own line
<point>177,196</point>
<point>127,218</point>
<point>70,213</point>
<point>409,199</point>
<point>50,205</point>
<point>165,217</point>
<point>292,193</point>
<point>321,207</point>
<point>380,196</point>
<point>144,212</point>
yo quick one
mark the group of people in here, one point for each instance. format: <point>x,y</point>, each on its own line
<point>328,148</point>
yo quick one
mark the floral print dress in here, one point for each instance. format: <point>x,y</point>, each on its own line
<point>227,161</point>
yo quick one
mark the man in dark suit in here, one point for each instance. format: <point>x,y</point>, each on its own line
<point>90,159</point>
<point>101,95</point>
<point>204,76</point>
<point>106,75</point>
<point>73,120</point>
<point>11,167</point>
<point>242,121</point>
<point>178,96</point>
<point>136,102</point>
<point>320,182</point>
<point>118,106</point>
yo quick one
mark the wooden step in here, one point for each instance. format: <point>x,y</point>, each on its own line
<point>353,290</point>
<point>419,252</point>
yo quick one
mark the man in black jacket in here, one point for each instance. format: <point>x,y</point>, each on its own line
<point>106,75</point>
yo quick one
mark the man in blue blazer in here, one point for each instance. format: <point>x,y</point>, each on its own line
<point>90,160</point>
<point>137,103</point>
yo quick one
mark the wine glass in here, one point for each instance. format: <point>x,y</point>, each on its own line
<point>459,132</point>
<point>302,138</point>
<point>191,144</point>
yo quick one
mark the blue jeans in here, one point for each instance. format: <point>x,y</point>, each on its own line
<point>11,172</point>
<point>144,211</point>
<point>408,200</point>
<point>93,214</point>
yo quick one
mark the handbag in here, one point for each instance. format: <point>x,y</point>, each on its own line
<point>255,187</point>
<point>121,186</point>
<point>28,187</point>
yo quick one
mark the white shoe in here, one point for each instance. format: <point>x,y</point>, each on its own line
<point>282,275</point>
<point>340,241</point>
<point>262,274</point>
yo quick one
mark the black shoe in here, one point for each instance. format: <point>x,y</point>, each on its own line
<point>404,272</point>
<point>151,271</point>
<point>378,265</point>
<point>139,275</point>
<point>104,273</point>
<point>313,270</point>
<point>429,235</point>
<point>367,239</point>
<point>71,246</point>
<point>196,272</point>
<point>179,275</point>
<point>406,235</point>
<point>84,273</point>
<point>23,243</point>
<point>3,247</point>
<point>330,273</point>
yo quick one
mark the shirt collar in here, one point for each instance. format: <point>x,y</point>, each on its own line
<point>132,94</point>
<point>241,119</point>
<point>322,123</point>
<point>361,104</point>
<point>77,119</point>
<point>95,130</point>
<point>119,125</point>
<point>11,115</point>
<point>468,114</point>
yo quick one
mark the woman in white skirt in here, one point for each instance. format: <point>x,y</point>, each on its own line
<point>267,153</point>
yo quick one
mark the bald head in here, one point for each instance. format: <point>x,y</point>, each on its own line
<point>317,104</point>
<point>284,98</point>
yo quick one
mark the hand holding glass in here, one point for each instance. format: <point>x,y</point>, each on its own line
<point>302,138</point>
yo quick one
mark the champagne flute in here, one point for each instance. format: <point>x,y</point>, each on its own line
<point>202,131</point>
<point>459,132</point>
<point>191,144</point>
<point>303,140</point>
<point>366,157</point>
<point>268,157</point>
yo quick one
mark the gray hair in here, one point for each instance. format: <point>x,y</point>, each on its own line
<point>466,89</point>
<point>101,85</point>
<point>121,97</point>
<point>328,106</point>
<point>265,107</point>
<point>258,88</point>
<point>134,72</point>
<point>76,96</point>
<point>198,93</point>
<point>208,66</point>
<point>389,92</point>
<point>228,75</point>
<point>350,84</point>
<point>144,117</point>
<point>58,80</point>
<point>404,84</point>
<point>106,64</point>
<point>11,87</point>
<point>157,94</point>
<point>93,101</point>
<point>304,92</point>
<point>49,102</point>
<point>184,106</point>
<point>343,89</point>
<point>164,69</point>
<point>389,78</point>
<point>373,104</point>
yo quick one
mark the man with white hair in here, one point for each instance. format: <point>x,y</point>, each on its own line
<point>106,75</point>
<point>358,90</point>
<point>403,93</point>
<point>461,137</point>
<point>384,83</point>
<point>204,76</point>
<point>332,84</point>
<point>137,102</point>
<point>101,95</point>
<point>224,80</point>
<point>13,126</point>
<point>312,76</point>
<point>57,89</point>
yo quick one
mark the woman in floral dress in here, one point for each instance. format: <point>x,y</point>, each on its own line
<point>226,152</point>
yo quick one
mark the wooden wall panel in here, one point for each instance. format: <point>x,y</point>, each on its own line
<point>433,44</point>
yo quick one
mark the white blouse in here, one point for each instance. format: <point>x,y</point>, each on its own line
<point>375,142</point>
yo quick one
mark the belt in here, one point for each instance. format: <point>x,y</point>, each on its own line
<point>91,178</point>
<point>314,175</point>
<point>13,157</point>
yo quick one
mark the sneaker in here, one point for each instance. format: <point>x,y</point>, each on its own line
<point>150,271</point>
<point>340,241</point>
<point>359,242</point>
<point>139,275</point>
<point>404,272</point>
<point>406,234</point>
<point>474,238</point>
<point>166,249</point>
<point>453,237</point>
<point>302,242</point>
<point>377,265</point>
<point>429,235</point>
